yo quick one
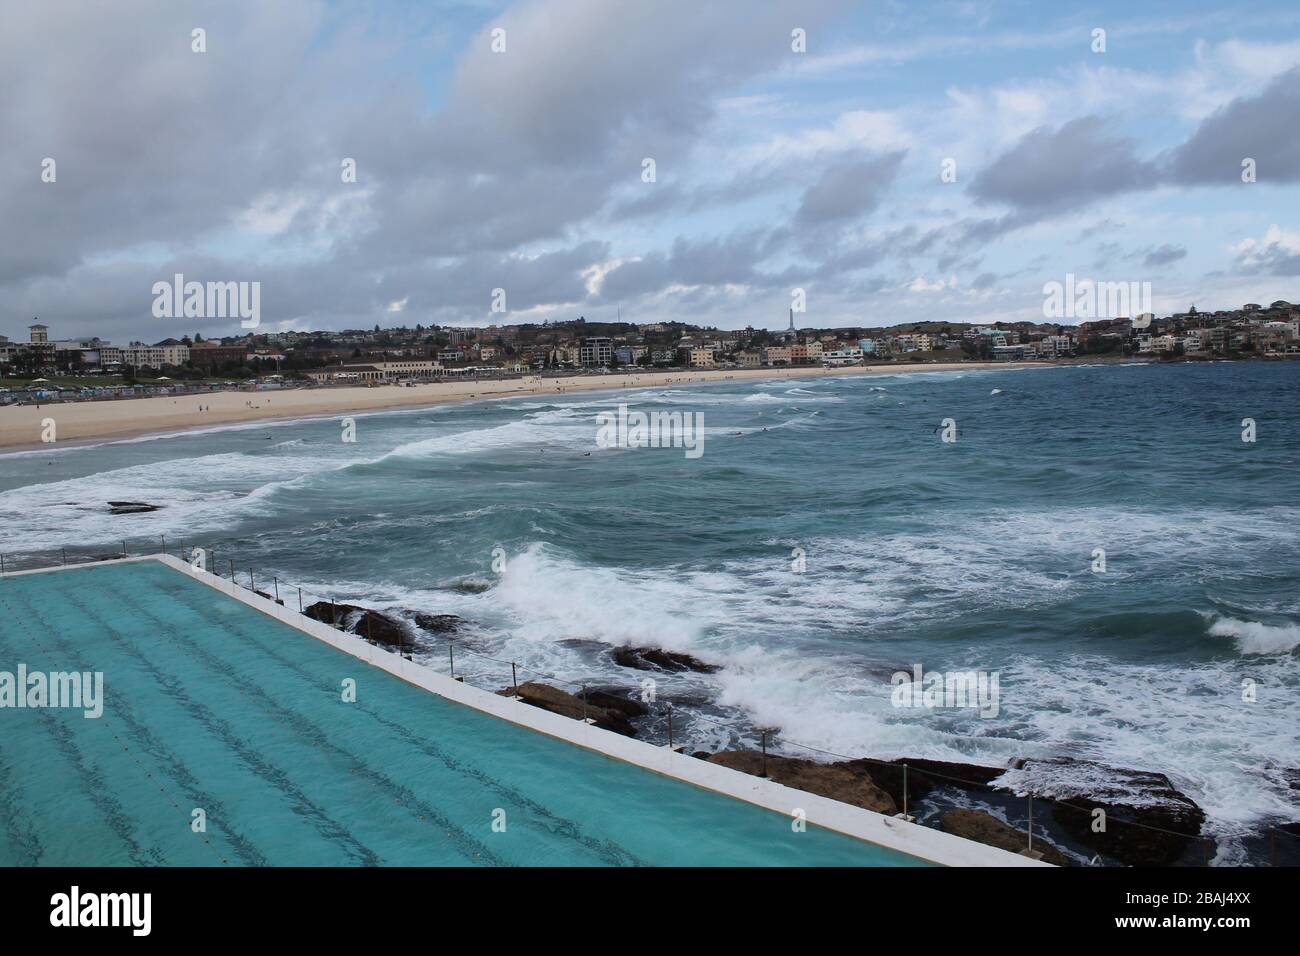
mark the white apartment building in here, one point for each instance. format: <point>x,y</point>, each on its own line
<point>844,355</point>
<point>139,355</point>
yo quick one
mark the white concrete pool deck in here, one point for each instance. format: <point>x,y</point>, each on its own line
<point>892,833</point>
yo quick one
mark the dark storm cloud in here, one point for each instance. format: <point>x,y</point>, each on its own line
<point>730,260</point>
<point>1163,255</point>
<point>1051,170</point>
<point>1265,128</point>
<point>848,189</point>
<point>225,164</point>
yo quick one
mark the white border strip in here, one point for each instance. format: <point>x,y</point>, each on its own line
<point>926,843</point>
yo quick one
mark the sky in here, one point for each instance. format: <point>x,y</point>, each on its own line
<point>879,162</point>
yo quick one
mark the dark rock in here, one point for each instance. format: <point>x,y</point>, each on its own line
<point>837,781</point>
<point>570,705</point>
<point>923,776</point>
<point>1148,821</point>
<point>987,829</point>
<point>438,623</point>
<point>654,659</point>
<point>131,507</point>
<point>362,621</point>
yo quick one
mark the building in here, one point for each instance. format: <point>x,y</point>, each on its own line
<point>700,356</point>
<point>596,351</point>
<point>630,354</point>
<point>211,355</point>
<point>410,368</point>
<point>139,355</point>
<point>347,373</point>
<point>844,355</point>
<point>776,355</point>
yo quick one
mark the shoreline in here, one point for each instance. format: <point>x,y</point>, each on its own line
<point>86,423</point>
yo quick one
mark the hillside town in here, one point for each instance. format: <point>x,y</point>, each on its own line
<point>359,356</point>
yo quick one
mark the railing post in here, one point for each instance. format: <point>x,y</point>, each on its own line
<point>370,631</point>
<point>164,543</point>
<point>1031,823</point>
<point>514,679</point>
<point>300,600</point>
<point>232,570</point>
<point>584,703</point>
<point>904,789</point>
<point>64,552</point>
<point>252,585</point>
<point>275,583</point>
<point>670,725</point>
<point>334,613</point>
<point>764,773</point>
<point>124,551</point>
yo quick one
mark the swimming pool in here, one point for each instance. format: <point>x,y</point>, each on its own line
<point>212,705</point>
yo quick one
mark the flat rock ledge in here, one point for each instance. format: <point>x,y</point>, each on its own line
<point>985,828</point>
<point>609,710</point>
<point>834,781</point>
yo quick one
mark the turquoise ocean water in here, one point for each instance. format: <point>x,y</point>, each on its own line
<point>972,555</point>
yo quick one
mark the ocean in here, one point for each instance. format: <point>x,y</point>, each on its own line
<point>826,538</point>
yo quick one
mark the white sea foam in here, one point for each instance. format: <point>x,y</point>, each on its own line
<point>1251,637</point>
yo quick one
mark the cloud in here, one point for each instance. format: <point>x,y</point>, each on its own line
<point>1055,169</point>
<point>1163,255</point>
<point>1262,128</point>
<point>848,190</point>
<point>1278,253</point>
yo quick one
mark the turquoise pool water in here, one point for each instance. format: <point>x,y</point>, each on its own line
<point>210,704</point>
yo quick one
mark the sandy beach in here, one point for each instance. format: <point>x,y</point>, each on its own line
<point>22,426</point>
